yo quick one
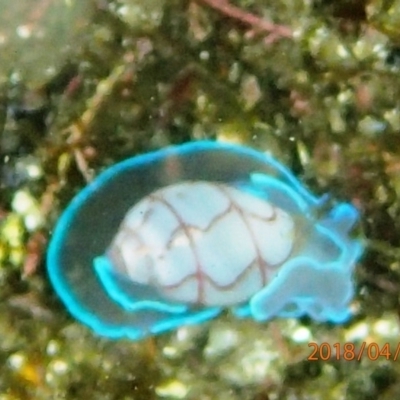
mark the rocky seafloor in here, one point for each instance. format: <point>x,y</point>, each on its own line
<point>84,84</point>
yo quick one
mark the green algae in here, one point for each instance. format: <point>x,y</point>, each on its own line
<point>124,77</point>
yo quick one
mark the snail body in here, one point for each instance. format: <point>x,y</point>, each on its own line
<point>176,236</point>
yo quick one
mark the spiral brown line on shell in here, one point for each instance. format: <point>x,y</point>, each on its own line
<point>198,274</point>
<point>222,288</point>
<point>188,230</point>
<point>262,265</point>
<point>115,253</point>
<point>258,261</point>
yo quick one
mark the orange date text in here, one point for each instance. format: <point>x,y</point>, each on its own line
<point>349,351</point>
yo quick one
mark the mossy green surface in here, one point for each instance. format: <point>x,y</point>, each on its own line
<point>129,76</point>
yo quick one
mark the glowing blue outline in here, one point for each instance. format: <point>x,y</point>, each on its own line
<point>305,302</point>
<point>104,272</point>
<point>78,310</point>
<point>265,182</point>
<point>349,253</point>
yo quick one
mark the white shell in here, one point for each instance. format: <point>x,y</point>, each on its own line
<point>203,243</point>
